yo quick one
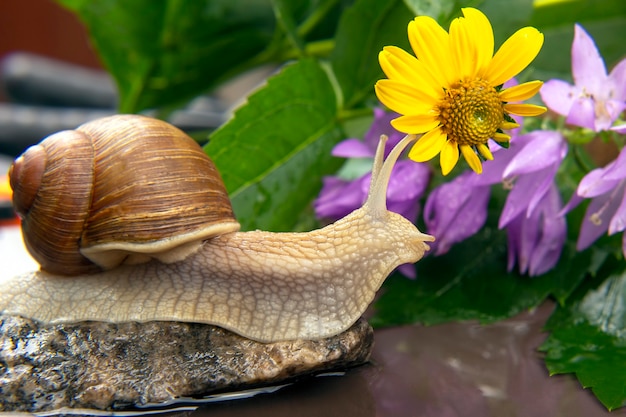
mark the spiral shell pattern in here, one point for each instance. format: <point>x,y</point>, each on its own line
<point>121,189</point>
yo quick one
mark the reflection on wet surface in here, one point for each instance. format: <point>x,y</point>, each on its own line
<point>328,396</point>
<point>457,369</point>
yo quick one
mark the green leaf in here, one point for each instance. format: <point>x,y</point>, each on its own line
<point>274,152</point>
<point>588,337</point>
<point>440,10</point>
<point>471,282</point>
<point>363,31</point>
<point>165,52</point>
<point>605,21</point>
<point>506,20</point>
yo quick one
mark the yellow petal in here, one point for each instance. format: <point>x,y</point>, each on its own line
<point>521,92</point>
<point>431,45</point>
<point>524,109</point>
<point>415,123</point>
<point>501,137</point>
<point>403,98</point>
<point>449,157</point>
<point>471,43</point>
<point>480,29</point>
<point>472,159</point>
<point>506,125</point>
<point>462,49</point>
<point>514,55</point>
<point>397,64</point>
<point>484,151</point>
<point>428,146</point>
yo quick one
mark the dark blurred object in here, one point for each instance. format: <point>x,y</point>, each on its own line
<point>36,80</point>
<point>6,208</point>
<point>22,126</point>
<point>48,96</point>
<point>6,211</point>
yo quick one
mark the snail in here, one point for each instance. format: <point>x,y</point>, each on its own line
<point>130,221</point>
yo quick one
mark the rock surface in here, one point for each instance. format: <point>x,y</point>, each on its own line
<point>114,366</point>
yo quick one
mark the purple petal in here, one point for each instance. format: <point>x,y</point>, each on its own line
<point>559,96</point>
<point>597,219</point>
<point>536,242</point>
<point>444,202</point>
<point>338,198</point>
<point>513,237</point>
<point>529,235</point>
<point>512,82</point>
<point>441,207</point>
<point>493,170</point>
<point>621,129</point>
<point>547,148</point>
<point>455,211</point>
<point>588,67</point>
<point>408,180</point>
<point>407,209</point>
<point>352,148</point>
<point>554,230</point>
<point>471,217</point>
<point>616,170</point>
<point>618,78</point>
<point>382,125</point>
<point>594,184</point>
<point>574,201</point>
<point>582,113</point>
<point>544,179</point>
<point>534,165</point>
<point>406,186</point>
<point>517,200</point>
<point>408,270</point>
<point>607,112</point>
<point>618,221</point>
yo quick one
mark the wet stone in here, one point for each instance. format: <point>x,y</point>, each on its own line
<point>108,366</point>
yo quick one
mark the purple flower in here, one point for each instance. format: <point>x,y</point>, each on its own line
<point>340,196</point>
<point>536,159</point>
<point>536,233</point>
<point>607,210</point>
<point>536,240</point>
<point>597,99</point>
<point>456,210</point>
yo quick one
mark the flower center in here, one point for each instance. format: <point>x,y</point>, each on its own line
<point>471,112</point>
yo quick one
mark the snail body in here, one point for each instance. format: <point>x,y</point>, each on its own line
<point>265,286</point>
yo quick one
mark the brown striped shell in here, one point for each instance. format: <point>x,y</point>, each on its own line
<point>122,189</point>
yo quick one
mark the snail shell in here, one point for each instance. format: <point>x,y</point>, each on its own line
<point>121,189</point>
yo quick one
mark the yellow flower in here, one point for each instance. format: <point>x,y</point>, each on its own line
<point>452,91</point>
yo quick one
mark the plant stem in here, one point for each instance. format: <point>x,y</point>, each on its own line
<point>314,18</point>
<point>321,48</point>
<point>348,114</point>
<point>579,160</point>
<point>318,49</point>
<point>138,87</point>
